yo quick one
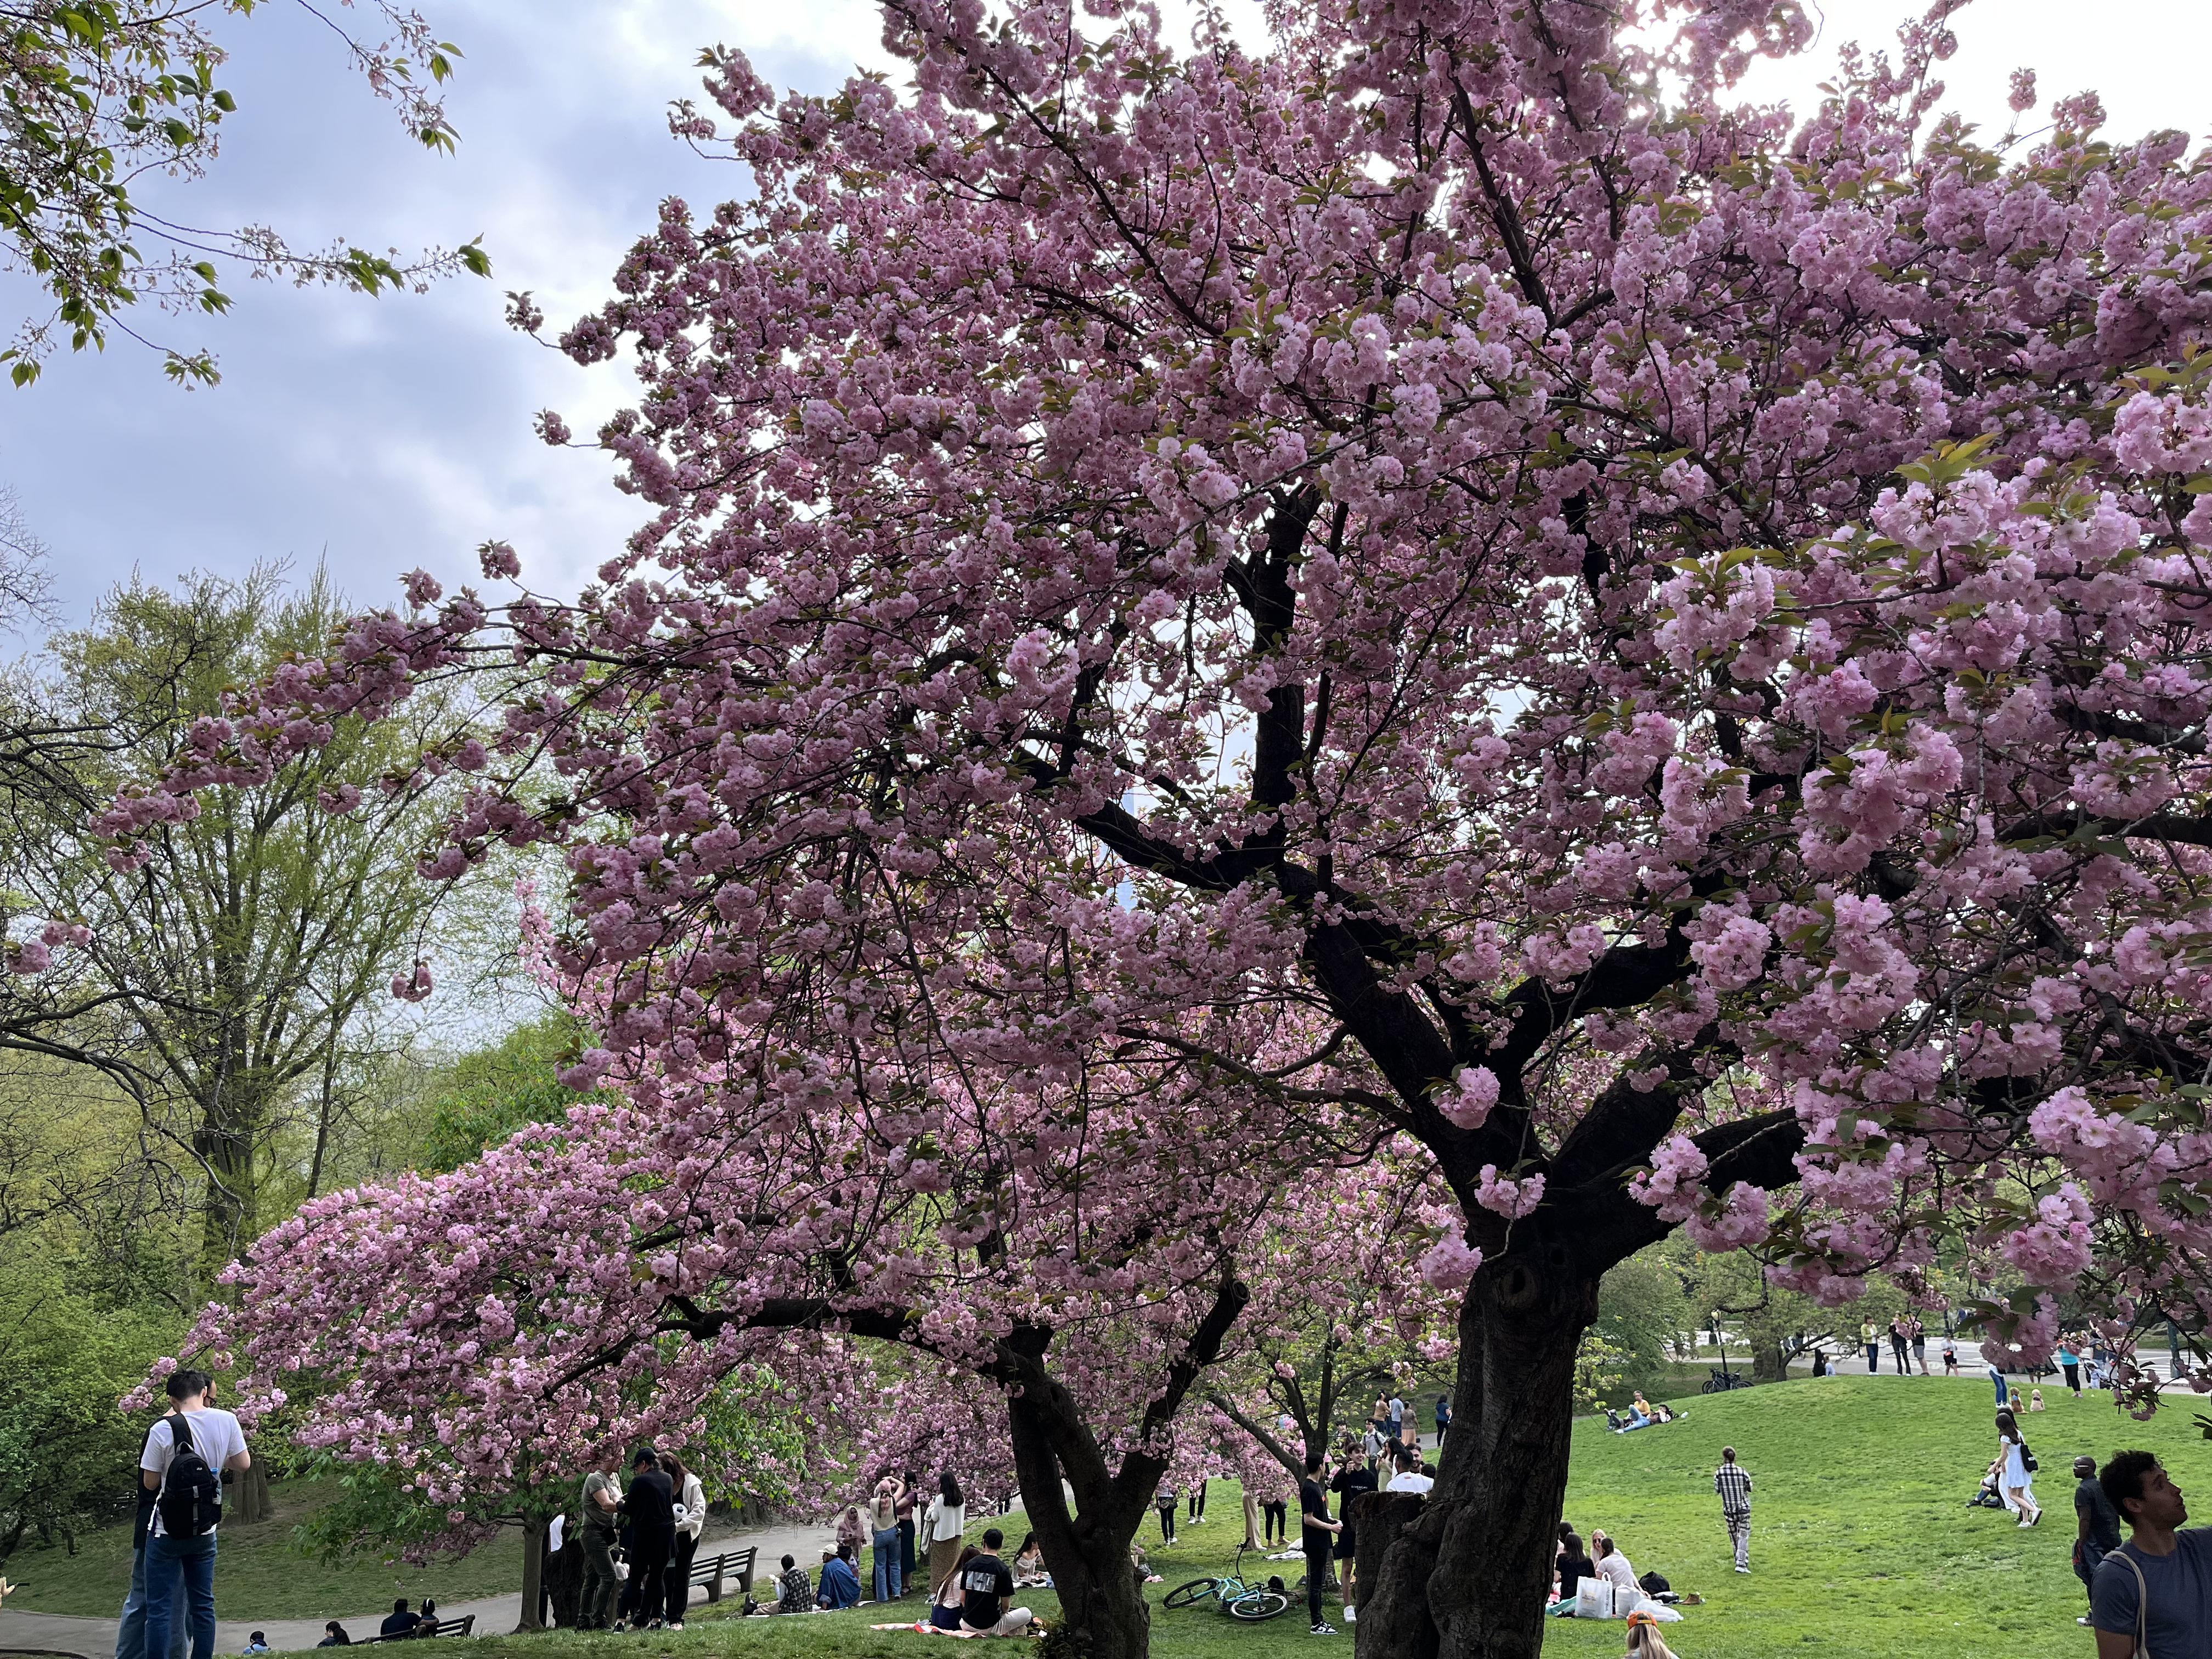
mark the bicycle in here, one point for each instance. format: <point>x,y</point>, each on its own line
<point>1232,1593</point>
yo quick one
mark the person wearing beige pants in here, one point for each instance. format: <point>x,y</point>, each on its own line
<point>942,1525</point>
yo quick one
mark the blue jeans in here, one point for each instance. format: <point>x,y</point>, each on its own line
<point>130,1631</point>
<point>1996,1377</point>
<point>889,1584</point>
<point>180,1585</point>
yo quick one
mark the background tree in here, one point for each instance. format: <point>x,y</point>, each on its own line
<point>94,96</point>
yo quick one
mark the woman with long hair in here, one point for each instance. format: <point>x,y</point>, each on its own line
<point>951,1509</point>
<point>2014,1477</point>
<point>947,1601</point>
<point>691,1522</point>
<point>1644,1641</point>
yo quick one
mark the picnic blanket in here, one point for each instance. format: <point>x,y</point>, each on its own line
<point>926,1628</point>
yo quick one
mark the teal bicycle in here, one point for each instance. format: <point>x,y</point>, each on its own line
<point>1232,1594</point>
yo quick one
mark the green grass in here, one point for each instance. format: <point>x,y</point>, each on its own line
<point>1862,1542</point>
<point>261,1575</point>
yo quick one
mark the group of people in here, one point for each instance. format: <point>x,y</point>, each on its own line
<point>1908,1343</point>
<point>652,1528</point>
<point>1641,1414</point>
<point>169,1611</point>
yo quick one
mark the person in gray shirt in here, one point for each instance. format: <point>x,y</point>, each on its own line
<point>2153,1594</point>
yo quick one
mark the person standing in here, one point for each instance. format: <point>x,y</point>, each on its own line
<point>131,1627</point>
<point>1251,1517</point>
<point>1917,1333</point>
<point>1198,1502</point>
<point>691,1522</point>
<point>2096,1531</point>
<point>1873,1348</point>
<point>1352,1480</point>
<point>1319,1532</point>
<point>653,1536</point>
<point>1443,1419</point>
<point>883,1539</point>
<point>2070,1362</point>
<point>910,1498</point>
<point>2015,1476</point>
<point>1897,1350</point>
<point>602,1492</point>
<point>1373,1445</point>
<point>2158,1585</point>
<point>1163,1500</point>
<point>180,1464</point>
<point>944,1536</point>
<point>1733,1482</point>
<point>1996,1377</point>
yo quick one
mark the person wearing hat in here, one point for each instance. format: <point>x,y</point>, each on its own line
<point>1644,1641</point>
<point>2098,1533</point>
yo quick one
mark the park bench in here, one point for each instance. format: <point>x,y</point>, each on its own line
<point>464,1625</point>
<point>715,1571</point>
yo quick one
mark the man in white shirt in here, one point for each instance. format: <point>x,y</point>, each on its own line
<point>180,1565</point>
<point>1409,1477</point>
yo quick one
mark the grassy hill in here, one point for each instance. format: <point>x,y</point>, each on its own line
<point>1861,1541</point>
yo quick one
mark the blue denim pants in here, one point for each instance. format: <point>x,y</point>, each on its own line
<point>131,1630</point>
<point>889,1582</point>
<point>180,1590</point>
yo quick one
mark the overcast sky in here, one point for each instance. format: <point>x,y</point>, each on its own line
<point>384,434</point>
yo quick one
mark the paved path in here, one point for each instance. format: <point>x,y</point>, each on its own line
<point>94,1639</point>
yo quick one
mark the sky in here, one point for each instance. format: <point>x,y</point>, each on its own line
<point>387,433</point>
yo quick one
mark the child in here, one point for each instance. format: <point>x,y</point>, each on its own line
<point>1950,1360</point>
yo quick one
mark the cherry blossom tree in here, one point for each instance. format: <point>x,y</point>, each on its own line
<point>1666,635</point>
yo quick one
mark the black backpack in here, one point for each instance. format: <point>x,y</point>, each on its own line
<point>190,1500</point>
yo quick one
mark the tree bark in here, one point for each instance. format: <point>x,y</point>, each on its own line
<point>1468,1579</point>
<point>533,1570</point>
<point>1088,1552</point>
<point>248,1498</point>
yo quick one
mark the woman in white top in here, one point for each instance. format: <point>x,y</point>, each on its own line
<point>948,1520</point>
<point>2014,1477</point>
<point>691,1522</point>
<point>1611,1564</point>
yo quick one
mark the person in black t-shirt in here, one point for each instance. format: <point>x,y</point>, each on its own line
<point>1352,1480</point>
<point>1319,1533</point>
<point>651,1507</point>
<point>398,1621</point>
<point>1574,1565</point>
<point>985,1586</point>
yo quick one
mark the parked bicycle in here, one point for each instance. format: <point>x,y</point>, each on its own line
<point>1231,1593</point>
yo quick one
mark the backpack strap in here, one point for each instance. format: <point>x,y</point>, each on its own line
<point>2142,1606</point>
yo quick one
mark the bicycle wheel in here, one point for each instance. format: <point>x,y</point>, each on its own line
<point>1190,1595</point>
<point>1255,1605</point>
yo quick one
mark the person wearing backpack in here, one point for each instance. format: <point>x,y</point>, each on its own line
<point>131,1627</point>
<point>185,1453</point>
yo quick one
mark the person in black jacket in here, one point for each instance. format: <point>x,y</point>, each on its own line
<point>652,1509</point>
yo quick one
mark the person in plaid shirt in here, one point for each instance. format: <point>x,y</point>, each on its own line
<point>1733,1483</point>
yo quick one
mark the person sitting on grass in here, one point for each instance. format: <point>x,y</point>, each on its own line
<point>795,1592</point>
<point>986,1588</point>
<point>1028,1565</point>
<point>1644,1641</point>
<point>1573,1566</point>
<point>841,1581</point>
<point>1611,1564</point>
<point>256,1642</point>
<point>951,1599</point>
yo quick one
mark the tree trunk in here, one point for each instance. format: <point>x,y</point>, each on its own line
<point>1468,1579</point>
<point>533,1570</point>
<point>248,1497</point>
<point>1087,1553</point>
<point>1769,1363</point>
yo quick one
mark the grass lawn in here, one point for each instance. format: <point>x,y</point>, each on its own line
<point>1862,1542</point>
<point>260,1575</point>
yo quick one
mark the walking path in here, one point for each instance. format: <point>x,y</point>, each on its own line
<point>93,1638</point>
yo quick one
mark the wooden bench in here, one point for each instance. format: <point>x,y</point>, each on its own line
<point>715,1572</point>
<point>462,1626</point>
